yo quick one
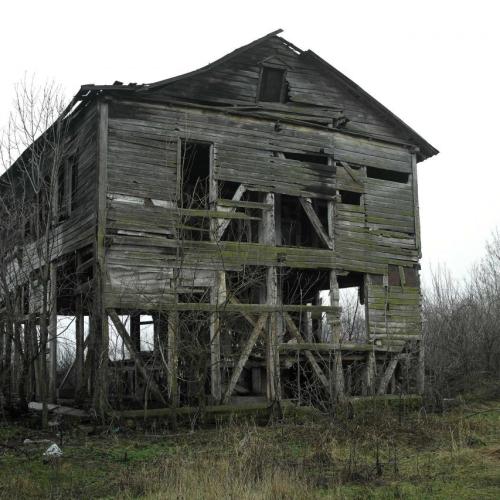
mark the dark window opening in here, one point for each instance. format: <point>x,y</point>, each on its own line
<point>394,277</point>
<point>227,189</point>
<point>272,85</point>
<point>296,228</point>
<point>387,175</point>
<point>307,157</point>
<point>195,168</point>
<point>350,197</point>
<point>194,195</point>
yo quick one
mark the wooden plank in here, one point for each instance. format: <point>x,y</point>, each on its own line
<point>53,334</point>
<point>218,297</point>
<point>222,224</point>
<point>245,353</point>
<point>309,355</point>
<point>173,358</point>
<point>386,377</point>
<point>316,223</point>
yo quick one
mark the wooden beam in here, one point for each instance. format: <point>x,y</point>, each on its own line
<point>316,223</point>
<point>316,311</point>
<point>79,359</point>
<point>386,377</point>
<point>247,349</point>
<point>345,347</point>
<point>218,296</point>
<point>80,344</point>
<point>309,355</point>
<point>122,331</point>
<point>351,172</point>
<point>53,334</point>
<point>172,357</point>
<point>370,374</point>
<point>222,224</point>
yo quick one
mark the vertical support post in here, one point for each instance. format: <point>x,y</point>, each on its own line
<point>53,334</point>
<point>309,325</point>
<point>217,297</point>
<point>268,237</point>
<point>2,348</point>
<point>135,330</point>
<point>7,374</point>
<point>100,320</point>
<point>172,357</point>
<point>370,374</point>
<point>217,292</point>
<point>79,348</point>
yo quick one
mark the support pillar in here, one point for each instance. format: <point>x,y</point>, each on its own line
<point>268,237</point>
<point>53,334</point>
<point>218,297</point>
<point>172,357</point>
<point>79,349</point>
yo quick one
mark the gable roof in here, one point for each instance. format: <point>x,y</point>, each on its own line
<point>426,149</point>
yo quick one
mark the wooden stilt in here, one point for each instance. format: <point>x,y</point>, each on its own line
<point>53,335</point>
<point>247,349</point>
<point>173,358</point>
<point>79,349</point>
<point>217,297</point>
<point>386,377</point>
<point>370,373</point>
<point>135,330</point>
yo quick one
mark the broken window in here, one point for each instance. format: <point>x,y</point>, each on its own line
<point>307,157</point>
<point>272,85</point>
<point>194,172</point>
<point>350,197</point>
<point>296,227</point>
<point>387,175</point>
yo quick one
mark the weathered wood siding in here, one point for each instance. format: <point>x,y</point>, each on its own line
<point>143,253</point>
<point>313,93</point>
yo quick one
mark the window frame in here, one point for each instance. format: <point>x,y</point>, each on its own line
<point>263,68</point>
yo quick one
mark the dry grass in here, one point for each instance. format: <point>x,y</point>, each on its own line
<point>377,454</point>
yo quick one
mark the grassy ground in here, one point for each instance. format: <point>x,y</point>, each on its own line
<point>373,454</point>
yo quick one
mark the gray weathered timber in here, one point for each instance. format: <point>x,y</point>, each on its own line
<point>234,219</point>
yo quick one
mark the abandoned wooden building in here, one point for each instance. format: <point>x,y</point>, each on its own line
<point>224,210</point>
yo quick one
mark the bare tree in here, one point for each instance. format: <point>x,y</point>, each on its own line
<point>31,154</point>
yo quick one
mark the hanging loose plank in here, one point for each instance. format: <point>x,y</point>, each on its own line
<point>122,331</point>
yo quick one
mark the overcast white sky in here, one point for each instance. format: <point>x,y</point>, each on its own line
<point>433,63</point>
